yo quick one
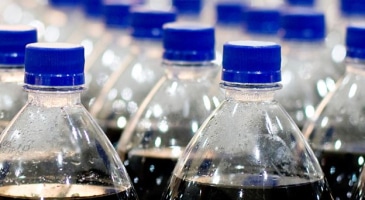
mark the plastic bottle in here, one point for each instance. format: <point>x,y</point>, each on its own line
<point>248,148</point>
<point>89,33</point>
<point>53,149</point>
<point>128,85</point>
<point>307,71</point>
<point>60,20</point>
<point>111,51</point>
<point>347,12</point>
<point>13,39</point>
<point>262,24</point>
<point>229,21</point>
<point>336,131</point>
<point>174,109</point>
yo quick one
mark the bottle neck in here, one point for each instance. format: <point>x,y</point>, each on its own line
<point>250,92</point>
<point>53,96</point>
<point>193,71</point>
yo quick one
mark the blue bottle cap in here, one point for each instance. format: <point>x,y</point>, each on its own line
<point>58,3</point>
<point>188,42</point>
<point>355,42</point>
<point>251,62</point>
<point>188,6</point>
<point>230,12</point>
<point>54,64</point>
<point>303,24</point>
<point>352,7</point>
<point>13,39</point>
<point>117,14</point>
<point>151,28</point>
<point>262,21</point>
<point>300,2</point>
<point>93,8</point>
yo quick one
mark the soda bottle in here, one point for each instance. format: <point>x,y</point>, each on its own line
<point>248,148</point>
<point>13,39</point>
<point>53,149</point>
<point>229,21</point>
<point>111,51</point>
<point>129,84</point>
<point>174,109</point>
<point>307,71</point>
<point>336,131</point>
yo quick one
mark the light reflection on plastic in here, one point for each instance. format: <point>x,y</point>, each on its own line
<point>322,88</point>
<point>194,126</point>
<point>158,142</point>
<point>52,34</point>
<point>324,122</point>
<point>163,126</point>
<point>353,90</point>
<point>108,57</point>
<point>88,45</point>
<point>206,101</point>
<point>338,53</point>
<point>309,111</point>
<point>121,122</point>
<point>338,144</point>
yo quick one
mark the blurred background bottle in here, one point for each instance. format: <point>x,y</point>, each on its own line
<point>13,39</point>
<point>174,109</point>
<point>111,52</point>
<point>128,85</point>
<point>307,71</point>
<point>262,24</point>
<point>53,149</point>
<point>248,148</point>
<point>336,131</point>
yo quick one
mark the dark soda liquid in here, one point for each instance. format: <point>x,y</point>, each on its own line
<point>55,193</point>
<point>113,134</point>
<point>188,190</point>
<point>150,172</point>
<point>341,170</point>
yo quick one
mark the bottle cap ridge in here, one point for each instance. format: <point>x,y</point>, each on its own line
<point>13,39</point>
<point>54,64</point>
<point>188,42</point>
<point>355,42</point>
<point>251,62</point>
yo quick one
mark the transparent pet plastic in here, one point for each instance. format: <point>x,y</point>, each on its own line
<point>307,77</point>
<point>165,122</point>
<point>127,86</point>
<point>12,95</point>
<point>53,149</point>
<point>336,131</point>
<point>250,149</point>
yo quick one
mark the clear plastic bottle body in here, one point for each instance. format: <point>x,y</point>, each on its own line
<point>307,77</point>
<point>166,121</point>
<point>359,187</point>
<point>126,88</point>
<point>53,149</point>
<point>250,149</point>
<point>22,12</point>
<point>336,131</point>
<point>102,63</point>
<point>12,96</point>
